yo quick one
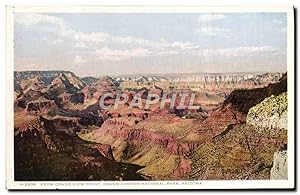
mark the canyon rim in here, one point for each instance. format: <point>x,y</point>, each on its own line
<point>113,98</point>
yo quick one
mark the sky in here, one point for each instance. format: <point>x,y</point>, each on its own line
<point>94,44</point>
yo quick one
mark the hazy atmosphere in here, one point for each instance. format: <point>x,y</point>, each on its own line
<point>113,44</point>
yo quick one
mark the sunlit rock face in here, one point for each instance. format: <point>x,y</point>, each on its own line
<point>271,113</point>
<point>280,166</point>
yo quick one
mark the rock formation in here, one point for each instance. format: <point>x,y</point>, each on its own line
<point>245,151</point>
<point>44,154</point>
<point>96,90</point>
<point>280,166</point>
<point>271,113</point>
<point>46,76</point>
<point>243,99</point>
<point>64,82</point>
<point>34,84</point>
<point>89,80</point>
<point>40,106</point>
<point>61,132</point>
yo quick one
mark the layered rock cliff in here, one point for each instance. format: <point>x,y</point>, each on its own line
<point>246,150</point>
<point>204,77</point>
<point>46,76</point>
<point>166,141</point>
<point>243,99</point>
<point>44,154</point>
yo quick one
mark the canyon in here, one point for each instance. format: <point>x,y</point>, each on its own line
<point>62,133</point>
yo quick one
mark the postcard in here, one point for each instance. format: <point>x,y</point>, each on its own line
<point>150,97</point>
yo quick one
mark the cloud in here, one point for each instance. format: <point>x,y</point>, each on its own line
<point>210,17</point>
<point>277,22</point>
<point>106,53</point>
<point>239,51</point>
<point>184,45</point>
<point>98,39</point>
<point>101,42</point>
<point>57,41</point>
<point>65,45</point>
<point>80,45</point>
<point>93,37</point>
<point>280,25</point>
<point>212,31</point>
<point>208,26</point>
<point>79,60</point>
<point>31,66</point>
<point>167,52</point>
<point>49,22</point>
<point>242,51</point>
<point>33,19</point>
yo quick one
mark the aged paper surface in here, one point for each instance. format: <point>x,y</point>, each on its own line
<point>150,97</point>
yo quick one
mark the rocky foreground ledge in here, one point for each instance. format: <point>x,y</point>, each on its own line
<point>273,113</point>
<point>270,113</point>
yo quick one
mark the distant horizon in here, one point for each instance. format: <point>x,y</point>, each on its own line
<point>151,74</point>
